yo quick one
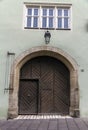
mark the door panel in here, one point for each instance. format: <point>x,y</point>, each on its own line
<point>46,86</point>
<point>46,101</point>
<point>61,93</point>
<point>28,94</point>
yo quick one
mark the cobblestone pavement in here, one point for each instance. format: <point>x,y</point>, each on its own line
<point>45,124</point>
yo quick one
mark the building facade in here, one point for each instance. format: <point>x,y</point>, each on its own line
<point>40,76</point>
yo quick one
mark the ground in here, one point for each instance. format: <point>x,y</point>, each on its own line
<point>45,124</point>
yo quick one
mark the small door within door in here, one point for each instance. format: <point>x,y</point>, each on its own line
<point>28,97</point>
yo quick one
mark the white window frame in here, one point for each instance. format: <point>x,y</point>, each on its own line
<point>32,16</point>
<point>62,17</point>
<point>55,16</point>
<point>47,16</point>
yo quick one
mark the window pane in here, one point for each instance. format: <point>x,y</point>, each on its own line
<point>59,22</point>
<point>29,11</point>
<point>29,21</point>
<point>44,12</point>
<point>65,22</point>
<point>50,12</point>
<point>44,22</point>
<point>50,22</point>
<point>35,11</point>
<point>59,12</point>
<point>35,24</point>
<point>65,12</point>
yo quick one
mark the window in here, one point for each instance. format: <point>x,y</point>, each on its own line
<point>52,17</point>
<point>32,17</point>
<point>63,18</point>
<point>47,17</point>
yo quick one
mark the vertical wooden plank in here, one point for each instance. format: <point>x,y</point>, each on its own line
<point>36,68</point>
<point>26,71</point>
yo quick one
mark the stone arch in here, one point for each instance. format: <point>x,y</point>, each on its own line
<point>44,51</point>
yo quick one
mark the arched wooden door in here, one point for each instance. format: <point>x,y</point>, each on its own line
<point>44,87</point>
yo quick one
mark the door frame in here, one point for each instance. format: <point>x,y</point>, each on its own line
<point>44,51</point>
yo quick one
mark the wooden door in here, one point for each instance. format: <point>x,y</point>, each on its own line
<point>53,93</point>
<point>28,97</point>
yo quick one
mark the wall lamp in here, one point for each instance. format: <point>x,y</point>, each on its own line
<point>47,37</point>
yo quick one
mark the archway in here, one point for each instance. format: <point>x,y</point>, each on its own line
<point>44,51</point>
<point>44,87</point>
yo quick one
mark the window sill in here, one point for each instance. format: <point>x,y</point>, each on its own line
<point>48,28</point>
<point>63,29</point>
<point>30,28</point>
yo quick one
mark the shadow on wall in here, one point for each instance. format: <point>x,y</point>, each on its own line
<point>86,26</point>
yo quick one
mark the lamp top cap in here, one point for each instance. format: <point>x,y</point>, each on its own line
<point>47,34</point>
